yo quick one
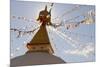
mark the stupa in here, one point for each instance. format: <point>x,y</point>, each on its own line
<point>40,50</point>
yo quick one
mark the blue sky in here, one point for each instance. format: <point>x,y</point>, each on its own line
<point>77,47</point>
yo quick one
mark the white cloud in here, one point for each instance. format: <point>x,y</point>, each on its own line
<point>86,51</point>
